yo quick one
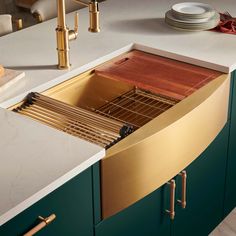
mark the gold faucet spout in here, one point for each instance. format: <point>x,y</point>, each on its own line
<point>61,14</point>
<point>64,35</point>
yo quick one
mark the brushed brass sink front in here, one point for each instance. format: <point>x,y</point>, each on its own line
<point>158,149</point>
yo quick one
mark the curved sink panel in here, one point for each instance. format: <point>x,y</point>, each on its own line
<point>155,153</point>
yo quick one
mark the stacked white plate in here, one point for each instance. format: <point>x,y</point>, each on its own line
<point>192,16</point>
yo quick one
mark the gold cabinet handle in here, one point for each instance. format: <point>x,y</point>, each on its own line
<point>18,23</point>
<point>171,212</point>
<point>183,202</point>
<point>44,222</point>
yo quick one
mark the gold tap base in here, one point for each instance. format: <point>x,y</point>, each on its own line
<point>94,30</point>
<point>63,67</point>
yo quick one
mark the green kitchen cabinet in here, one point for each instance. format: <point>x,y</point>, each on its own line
<point>146,217</point>
<point>72,205</point>
<point>205,191</point>
<point>230,188</point>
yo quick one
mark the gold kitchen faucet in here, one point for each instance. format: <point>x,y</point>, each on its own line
<point>64,35</point>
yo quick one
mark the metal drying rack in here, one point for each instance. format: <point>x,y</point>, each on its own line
<point>104,126</point>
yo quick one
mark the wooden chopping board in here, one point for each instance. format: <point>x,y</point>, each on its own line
<point>9,77</point>
<point>157,74</point>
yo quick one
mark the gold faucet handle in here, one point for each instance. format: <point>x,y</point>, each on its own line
<point>73,34</point>
<point>76,29</point>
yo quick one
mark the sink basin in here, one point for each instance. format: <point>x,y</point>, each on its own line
<point>88,90</point>
<point>166,141</point>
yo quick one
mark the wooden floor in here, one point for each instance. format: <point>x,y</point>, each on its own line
<point>227,227</point>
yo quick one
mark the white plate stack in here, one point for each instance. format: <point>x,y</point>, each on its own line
<point>193,16</point>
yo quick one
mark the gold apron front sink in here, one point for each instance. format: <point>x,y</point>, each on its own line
<point>161,146</point>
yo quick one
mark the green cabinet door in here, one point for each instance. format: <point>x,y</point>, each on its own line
<point>205,191</point>
<point>147,217</point>
<point>230,190</point>
<point>72,204</point>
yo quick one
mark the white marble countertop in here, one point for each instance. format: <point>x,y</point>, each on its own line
<point>35,160</point>
<point>30,150</point>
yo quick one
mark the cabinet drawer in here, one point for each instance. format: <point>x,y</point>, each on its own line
<point>72,205</point>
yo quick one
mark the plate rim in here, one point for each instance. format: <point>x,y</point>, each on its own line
<point>205,14</point>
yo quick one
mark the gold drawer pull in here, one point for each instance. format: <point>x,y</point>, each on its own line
<point>183,202</point>
<point>19,24</point>
<point>171,212</point>
<point>44,222</point>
